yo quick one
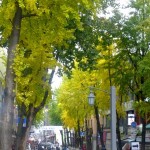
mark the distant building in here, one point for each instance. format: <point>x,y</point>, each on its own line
<point>49,132</point>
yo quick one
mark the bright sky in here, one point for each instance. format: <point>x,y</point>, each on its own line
<point>56,81</point>
<point>124,3</point>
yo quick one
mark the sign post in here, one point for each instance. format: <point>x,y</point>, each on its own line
<point>133,130</point>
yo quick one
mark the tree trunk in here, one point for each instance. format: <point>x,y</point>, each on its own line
<point>79,136</point>
<point>22,138</point>
<point>143,133</point>
<point>142,118</point>
<point>68,143</point>
<point>86,127</point>
<point>23,131</point>
<point>8,105</point>
<point>99,127</point>
<point>62,139</point>
<point>118,134</point>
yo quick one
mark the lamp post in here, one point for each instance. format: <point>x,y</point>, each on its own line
<point>91,99</point>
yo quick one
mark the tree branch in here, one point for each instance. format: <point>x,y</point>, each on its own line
<point>29,15</point>
<point>46,93</point>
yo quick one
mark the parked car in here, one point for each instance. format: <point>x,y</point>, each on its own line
<point>46,144</point>
<point>57,146</point>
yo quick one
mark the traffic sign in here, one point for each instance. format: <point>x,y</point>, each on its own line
<point>133,124</point>
<point>135,146</point>
<point>82,133</point>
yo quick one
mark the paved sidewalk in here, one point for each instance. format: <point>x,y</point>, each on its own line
<point>71,148</point>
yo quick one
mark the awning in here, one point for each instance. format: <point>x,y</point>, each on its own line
<point>148,126</point>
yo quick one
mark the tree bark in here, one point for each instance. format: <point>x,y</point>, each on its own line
<point>143,133</point>
<point>67,132</point>
<point>86,127</point>
<point>79,136</point>
<point>8,105</point>
<point>142,118</point>
<point>62,137</point>
<point>118,134</point>
<point>98,126</point>
<point>23,131</point>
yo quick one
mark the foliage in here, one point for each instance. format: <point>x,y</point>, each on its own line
<point>31,75</point>
<point>132,47</point>
<point>143,108</point>
<point>38,13</point>
<point>82,49</point>
<point>131,40</point>
<point>33,30</point>
<point>49,24</point>
<point>73,93</point>
<point>72,98</point>
<point>129,37</point>
<point>54,114</point>
<point>144,70</point>
<point>38,120</point>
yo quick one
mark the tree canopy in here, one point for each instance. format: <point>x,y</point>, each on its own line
<point>32,30</point>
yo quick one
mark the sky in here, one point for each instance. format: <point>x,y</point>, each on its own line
<point>56,81</point>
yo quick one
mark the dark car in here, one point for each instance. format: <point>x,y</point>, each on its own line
<point>46,144</point>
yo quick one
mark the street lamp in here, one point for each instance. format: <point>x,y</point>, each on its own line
<point>91,99</point>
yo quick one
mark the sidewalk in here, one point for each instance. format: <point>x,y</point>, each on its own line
<point>71,148</point>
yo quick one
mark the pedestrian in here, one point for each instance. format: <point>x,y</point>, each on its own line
<point>84,147</point>
<point>57,145</point>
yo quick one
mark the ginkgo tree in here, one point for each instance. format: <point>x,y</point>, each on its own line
<point>101,79</point>
<point>72,100</point>
<point>108,54</point>
<point>32,29</point>
<point>143,107</point>
<point>132,49</point>
<point>131,38</point>
<point>73,96</point>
